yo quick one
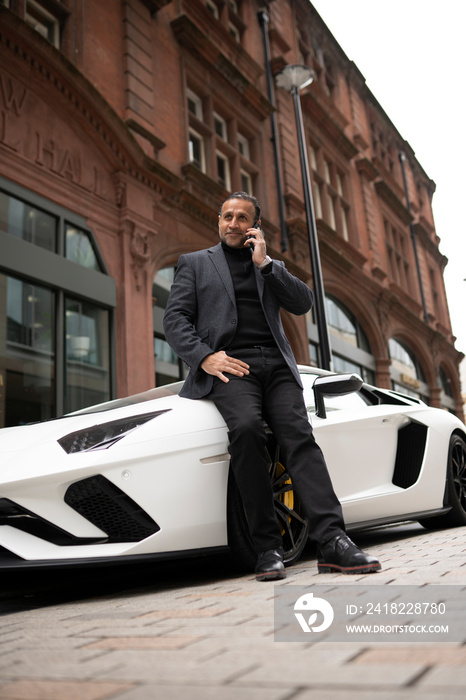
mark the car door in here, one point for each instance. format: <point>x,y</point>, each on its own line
<point>359,442</point>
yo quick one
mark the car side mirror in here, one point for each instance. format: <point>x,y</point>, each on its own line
<point>334,385</point>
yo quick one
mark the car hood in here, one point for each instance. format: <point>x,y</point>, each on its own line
<point>26,436</point>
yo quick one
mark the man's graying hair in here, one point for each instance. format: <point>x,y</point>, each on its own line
<point>248,198</point>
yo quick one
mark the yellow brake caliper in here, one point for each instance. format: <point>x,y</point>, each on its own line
<point>286,498</point>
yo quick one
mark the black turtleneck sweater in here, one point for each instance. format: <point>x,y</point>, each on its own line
<point>252,328</point>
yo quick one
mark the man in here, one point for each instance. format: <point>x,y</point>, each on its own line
<point>223,319</point>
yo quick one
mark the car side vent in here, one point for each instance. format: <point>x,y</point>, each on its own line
<point>110,509</point>
<point>409,454</point>
<point>20,518</point>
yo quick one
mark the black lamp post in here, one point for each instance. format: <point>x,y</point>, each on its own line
<point>294,78</point>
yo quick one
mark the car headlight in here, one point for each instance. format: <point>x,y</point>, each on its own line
<point>103,436</point>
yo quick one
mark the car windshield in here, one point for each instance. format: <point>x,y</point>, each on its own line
<point>150,395</point>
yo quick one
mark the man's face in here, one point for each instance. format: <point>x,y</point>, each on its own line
<point>236,217</point>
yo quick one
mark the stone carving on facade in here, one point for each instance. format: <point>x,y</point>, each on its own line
<point>140,249</point>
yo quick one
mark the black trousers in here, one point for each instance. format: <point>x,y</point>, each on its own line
<point>271,393</point>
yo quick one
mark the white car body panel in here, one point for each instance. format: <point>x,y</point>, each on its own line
<point>175,468</point>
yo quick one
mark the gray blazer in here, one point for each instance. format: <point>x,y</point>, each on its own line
<point>201,314</point>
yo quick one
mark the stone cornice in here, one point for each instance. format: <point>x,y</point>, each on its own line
<point>325,115</point>
<point>366,167</point>
<point>431,247</point>
<point>386,193</point>
<point>339,251</point>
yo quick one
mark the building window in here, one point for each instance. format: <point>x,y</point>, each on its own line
<point>313,355</point>
<point>220,127</point>
<point>229,15</point>
<point>384,149</point>
<point>351,351</point>
<point>197,150</point>
<point>43,22</point>
<point>27,222</point>
<point>79,248</point>
<point>220,148</point>
<point>195,105</point>
<point>213,8</point>
<point>223,171</point>
<point>329,189</point>
<point>445,382</point>
<point>406,372</point>
<point>87,353</point>
<point>246,182</point>
<point>435,295</point>
<point>234,31</point>
<point>317,193</point>
<point>243,146</point>
<point>56,311</point>
<point>447,398</point>
<point>397,245</point>
<point>27,359</point>
<point>168,366</point>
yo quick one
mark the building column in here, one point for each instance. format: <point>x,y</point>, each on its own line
<point>382,369</point>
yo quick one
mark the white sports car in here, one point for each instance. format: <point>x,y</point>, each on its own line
<point>148,476</point>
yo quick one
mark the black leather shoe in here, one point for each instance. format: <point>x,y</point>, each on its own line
<point>341,555</point>
<point>270,566</point>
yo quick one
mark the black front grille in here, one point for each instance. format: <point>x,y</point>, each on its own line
<point>409,454</point>
<point>110,509</point>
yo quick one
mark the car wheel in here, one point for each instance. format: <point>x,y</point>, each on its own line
<point>293,523</point>
<point>455,488</point>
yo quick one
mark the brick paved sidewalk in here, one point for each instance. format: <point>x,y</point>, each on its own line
<point>212,638</point>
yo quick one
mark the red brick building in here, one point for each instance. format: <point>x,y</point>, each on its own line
<point>125,123</point>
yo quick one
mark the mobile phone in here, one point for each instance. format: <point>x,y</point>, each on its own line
<point>251,237</point>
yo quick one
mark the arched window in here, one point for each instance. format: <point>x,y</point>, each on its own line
<point>406,372</point>
<point>351,351</point>
<point>447,399</point>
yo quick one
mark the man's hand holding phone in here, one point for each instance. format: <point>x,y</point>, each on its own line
<point>256,241</point>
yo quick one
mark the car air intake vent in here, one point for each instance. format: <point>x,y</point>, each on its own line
<point>16,516</point>
<point>409,454</point>
<point>110,509</point>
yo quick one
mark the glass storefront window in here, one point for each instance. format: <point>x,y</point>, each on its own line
<point>344,325</point>
<point>57,304</point>
<point>447,397</point>
<point>24,221</point>
<point>406,372</point>
<point>313,355</point>
<point>444,382</point>
<point>351,351</point>
<point>168,366</point>
<point>87,355</point>
<point>340,364</point>
<point>79,248</point>
<point>27,352</point>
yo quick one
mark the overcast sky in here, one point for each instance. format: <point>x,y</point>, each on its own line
<point>412,55</point>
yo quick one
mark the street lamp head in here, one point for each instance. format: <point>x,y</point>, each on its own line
<point>294,77</point>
